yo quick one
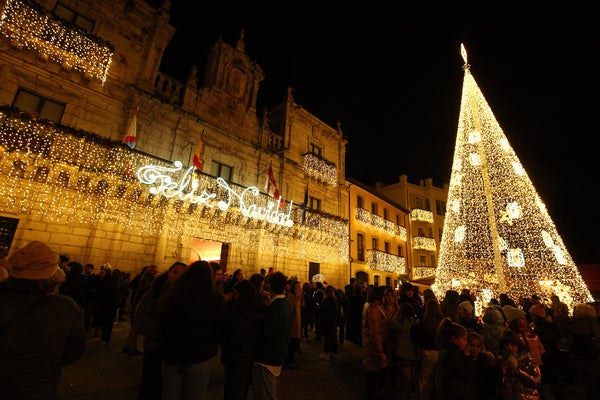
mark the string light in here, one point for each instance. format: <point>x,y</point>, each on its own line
<point>498,236</point>
<point>320,169</point>
<point>58,174</point>
<point>38,31</point>
<point>381,261</point>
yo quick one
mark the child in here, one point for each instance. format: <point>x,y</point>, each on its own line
<point>486,376</point>
<point>520,375</point>
<point>454,376</point>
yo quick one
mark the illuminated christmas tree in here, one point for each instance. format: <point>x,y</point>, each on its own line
<point>498,236</point>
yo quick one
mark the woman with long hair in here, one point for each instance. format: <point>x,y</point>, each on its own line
<point>426,332</point>
<point>191,323</point>
<point>377,344</point>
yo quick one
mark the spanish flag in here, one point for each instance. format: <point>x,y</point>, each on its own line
<point>198,156</point>
<point>131,133</point>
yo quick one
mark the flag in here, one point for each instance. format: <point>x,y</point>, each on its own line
<point>131,133</point>
<point>273,182</point>
<point>305,204</point>
<point>198,156</point>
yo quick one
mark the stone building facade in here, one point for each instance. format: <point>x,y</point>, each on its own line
<point>69,92</point>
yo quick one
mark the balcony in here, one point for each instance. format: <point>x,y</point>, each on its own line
<point>319,168</point>
<point>401,231</point>
<point>42,33</point>
<point>423,272</point>
<point>417,214</point>
<point>423,243</point>
<point>363,215</point>
<point>381,261</point>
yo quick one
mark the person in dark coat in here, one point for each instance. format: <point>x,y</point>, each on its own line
<point>245,314</point>
<point>449,304</point>
<point>40,331</point>
<point>273,342</point>
<point>454,376</point>
<point>146,324</point>
<point>75,285</point>
<point>329,321</point>
<point>106,298</point>
<point>191,326</point>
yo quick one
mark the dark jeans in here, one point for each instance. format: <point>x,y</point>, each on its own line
<point>330,339</point>
<point>238,379</point>
<point>151,382</point>
<point>342,331</point>
<point>107,318</point>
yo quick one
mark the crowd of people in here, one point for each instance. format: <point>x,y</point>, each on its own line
<point>414,345</point>
<point>419,347</point>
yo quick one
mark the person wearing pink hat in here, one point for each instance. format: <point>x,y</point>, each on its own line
<point>40,331</point>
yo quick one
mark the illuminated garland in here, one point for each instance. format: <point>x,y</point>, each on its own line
<point>498,236</point>
<point>27,26</point>
<point>379,223</point>
<point>417,214</point>
<point>320,169</point>
<point>378,260</point>
<point>69,176</point>
<point>423,243</point>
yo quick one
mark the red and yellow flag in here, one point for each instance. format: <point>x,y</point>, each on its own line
<point>198,156</point>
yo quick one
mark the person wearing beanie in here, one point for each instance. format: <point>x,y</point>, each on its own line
<point>41,331</point>
<point>466,316</point>
<point>512,313</point>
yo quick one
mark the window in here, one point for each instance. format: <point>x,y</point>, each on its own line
<point>360,203</point>
<point>386,247</point>
<point>432,261</point>
<point>8,228</point>
<point>376,280</point>
<point>430,230</point>
<point>440,207</point>
<point>440,231</point>
<point>221,171</point>
<point>63,179</point>
<point>427,205</point>
<point>419,203</point>
<point>374,208</point>
<point>399,251</point>
<point>374,243</point>
<point>82,183</point>
<point>388,281</point>
<point>18,169</point>
<point>34,104</point>
<point>314,204</point>
<point>386,214</point>
<point>360,246</point>
<point>41,174</point>
<point>420,231</point>
<point>398,220</point>
<point>73,18</point>
<point>314,149</point>
<point>423,261</point>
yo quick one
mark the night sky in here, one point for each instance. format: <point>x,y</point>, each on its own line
<point>397,74</point>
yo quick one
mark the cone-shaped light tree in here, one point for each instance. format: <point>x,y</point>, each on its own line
<point>498,236</point>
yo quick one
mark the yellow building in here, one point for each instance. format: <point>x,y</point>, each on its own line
<point>378,237</point>
<point>427,206</point>
<point>195,183</point>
